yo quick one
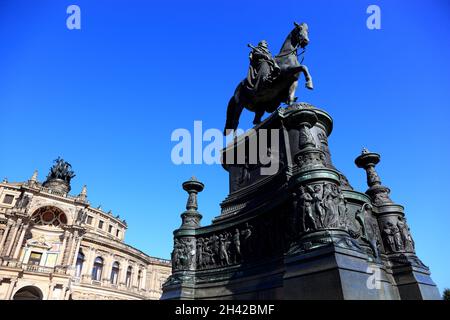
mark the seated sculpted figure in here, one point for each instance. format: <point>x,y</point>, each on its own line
<point>263,68</point>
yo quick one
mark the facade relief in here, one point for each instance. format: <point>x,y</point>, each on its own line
<point>397,236</point>
<point>367,229</point>
<point>321,206</point>
<point>213,251</point>
<point>310,159</point>
<point>24,202</point>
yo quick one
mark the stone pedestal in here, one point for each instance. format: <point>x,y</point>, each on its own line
<point>336,273</point>
<point>57,185</point>
<point>292,227</point>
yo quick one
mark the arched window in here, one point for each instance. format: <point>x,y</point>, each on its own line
<point>28,293</point>
<point>49,216</point>
<point>139,279</point>
<point>97,269</point>
<point>115,273</point>
<point>128,278</point>
<point>79,265</point>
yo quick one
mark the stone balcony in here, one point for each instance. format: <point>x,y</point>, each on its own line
<point>38,269</point>
<point>14,264</point>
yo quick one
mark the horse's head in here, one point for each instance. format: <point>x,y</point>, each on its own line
<point>300,34</point>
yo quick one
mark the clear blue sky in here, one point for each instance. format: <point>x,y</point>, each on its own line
<point>107,98</point>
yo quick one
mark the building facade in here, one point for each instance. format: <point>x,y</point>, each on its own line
<point>54,245</point>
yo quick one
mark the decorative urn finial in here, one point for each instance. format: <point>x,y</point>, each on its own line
<point>191,217</point>
<point>368,161</point>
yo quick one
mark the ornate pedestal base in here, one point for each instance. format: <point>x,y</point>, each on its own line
<point>299,231</point>
<point>334,272</point>
<point>413,279</point>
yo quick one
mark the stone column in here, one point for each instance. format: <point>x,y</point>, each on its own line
<point>12,239</point>
<point>73,245</point>
<point>144,279</point>
<point>77,240</point>
<point>109,270</point>
<point>87,265</point>
<point>138,281</point>
<point>10,289</point>
<point>50,291</point>
<point>66,255</point>
<point>63,293</point>
<point>20,242</point>
<point>133,276</point>
<point>119,272</point>
<point>1,280</point>
<point>123,272</point>
<point>62,249</point>
<point>5,234</point>
<point>107,266</point>
<point>13,245</point>
<point>153,280</point>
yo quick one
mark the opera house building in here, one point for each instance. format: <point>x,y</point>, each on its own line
<point>55,246</point>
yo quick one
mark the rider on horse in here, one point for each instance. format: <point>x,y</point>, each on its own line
<point>263,68</point>
<point>270,80</point>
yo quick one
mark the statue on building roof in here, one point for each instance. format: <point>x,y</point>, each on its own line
<point>81,216</point>
<point>34,176</point>
<point>60,176</point>
<point>61,170</point>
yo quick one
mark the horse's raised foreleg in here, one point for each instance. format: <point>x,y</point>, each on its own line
<point>308,78</point>
<point>303,69</point>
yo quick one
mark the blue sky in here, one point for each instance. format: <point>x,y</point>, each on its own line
<point>107,98</point>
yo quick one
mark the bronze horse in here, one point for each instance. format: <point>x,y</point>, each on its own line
<point>283,87</point>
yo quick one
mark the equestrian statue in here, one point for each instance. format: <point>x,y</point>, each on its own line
<point>270,80</point>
